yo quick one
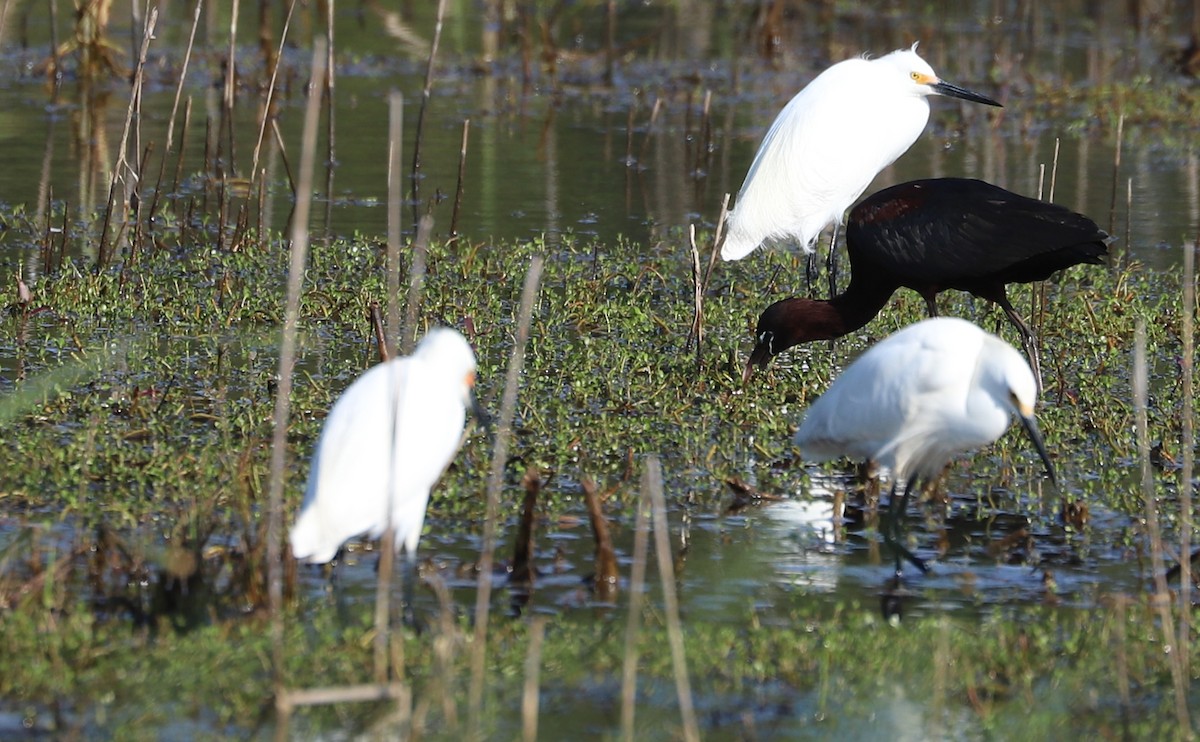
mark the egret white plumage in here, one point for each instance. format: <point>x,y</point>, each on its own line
<point>385,443</point>
<point>828,144</point>
<point>920,397</point>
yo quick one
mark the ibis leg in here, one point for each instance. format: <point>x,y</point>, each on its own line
<point>1028,341</point>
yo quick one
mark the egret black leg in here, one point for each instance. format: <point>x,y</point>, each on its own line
<point>410,589</point>
<point>831,262</point>
<point>810,271</point>
<point>892,533</point>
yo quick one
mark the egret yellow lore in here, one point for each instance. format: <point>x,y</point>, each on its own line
<point>828,144</point>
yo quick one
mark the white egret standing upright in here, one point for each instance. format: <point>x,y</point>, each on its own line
<point>384,445</point>
<point>916,399</point>
<point>828,144</point>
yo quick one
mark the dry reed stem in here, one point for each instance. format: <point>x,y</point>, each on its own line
<point>637,582</point>
<point>425,94</point>
<point>462,179</point>
<point>523,572</point>
<point>118,175</point>
<point>227,92</point>
<point>330,119</point>
<point>608,577</point>
<point>283,393</point>
<point>387,556</point>
<point>383,576</point>
<point>718,235</point>
<point>1188,435</point>
<point>697,329</point>
<point>395,197</point>
<point>533,665</point>
<point>1161,599</point>
<point>287,166</point>
<point>187,57</point>
<point>1116,169</point>
<point>187,122</point>
<point>508,407</point>
<point>262,125</point>
<point>416,277</point>
<point>666,573</point>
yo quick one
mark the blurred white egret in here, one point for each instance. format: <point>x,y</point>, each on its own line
<point>828,144</point>
<point>919,397</point>
<point>384,445</point>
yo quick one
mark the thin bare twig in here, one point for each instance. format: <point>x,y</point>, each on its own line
<point>1162,596</point>
<point>425,94</point>
<point>666,572</point>
<point>508,408</point>
<point>287,361</point>
<point>637,582</point>
<point>395,197</point>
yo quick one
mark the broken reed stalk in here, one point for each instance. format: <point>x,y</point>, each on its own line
<point>637,582</point>
<point>1161,599</point>
<point>607,579</point>
<point>666,573</point>
<point>375,317</point>
<point>283,390</point>
<point>523,573</point>
<point>270,99</point>
<point>462,179</point>
<point>701,285</point>
<point>533,666</point>
<point>1188,435</point>
<point>395,199</point>
<point>425,94</point>
<point>187,57</point>
<point>416,277</point>
<point>508,408</point>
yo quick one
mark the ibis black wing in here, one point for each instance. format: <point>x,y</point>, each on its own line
<point>955,232</point>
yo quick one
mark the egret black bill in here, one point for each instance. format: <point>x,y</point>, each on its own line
<point>953,91</point>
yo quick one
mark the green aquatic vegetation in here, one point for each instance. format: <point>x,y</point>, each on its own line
<point>137,463</point>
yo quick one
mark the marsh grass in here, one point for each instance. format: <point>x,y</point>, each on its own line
<point>163,439</point>
<point>139,461</point>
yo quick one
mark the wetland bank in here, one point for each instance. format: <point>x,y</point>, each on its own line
<point>139,391</point>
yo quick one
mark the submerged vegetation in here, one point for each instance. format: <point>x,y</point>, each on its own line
<point>138,443</point>
<point>140,368</point>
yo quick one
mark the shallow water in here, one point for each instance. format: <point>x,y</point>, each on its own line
<point>584,158</point>
<point>546,160</point>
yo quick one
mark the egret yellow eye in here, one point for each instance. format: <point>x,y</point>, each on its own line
<point>916,76</point>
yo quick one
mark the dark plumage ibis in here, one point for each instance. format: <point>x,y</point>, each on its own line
<point>930,236</point>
